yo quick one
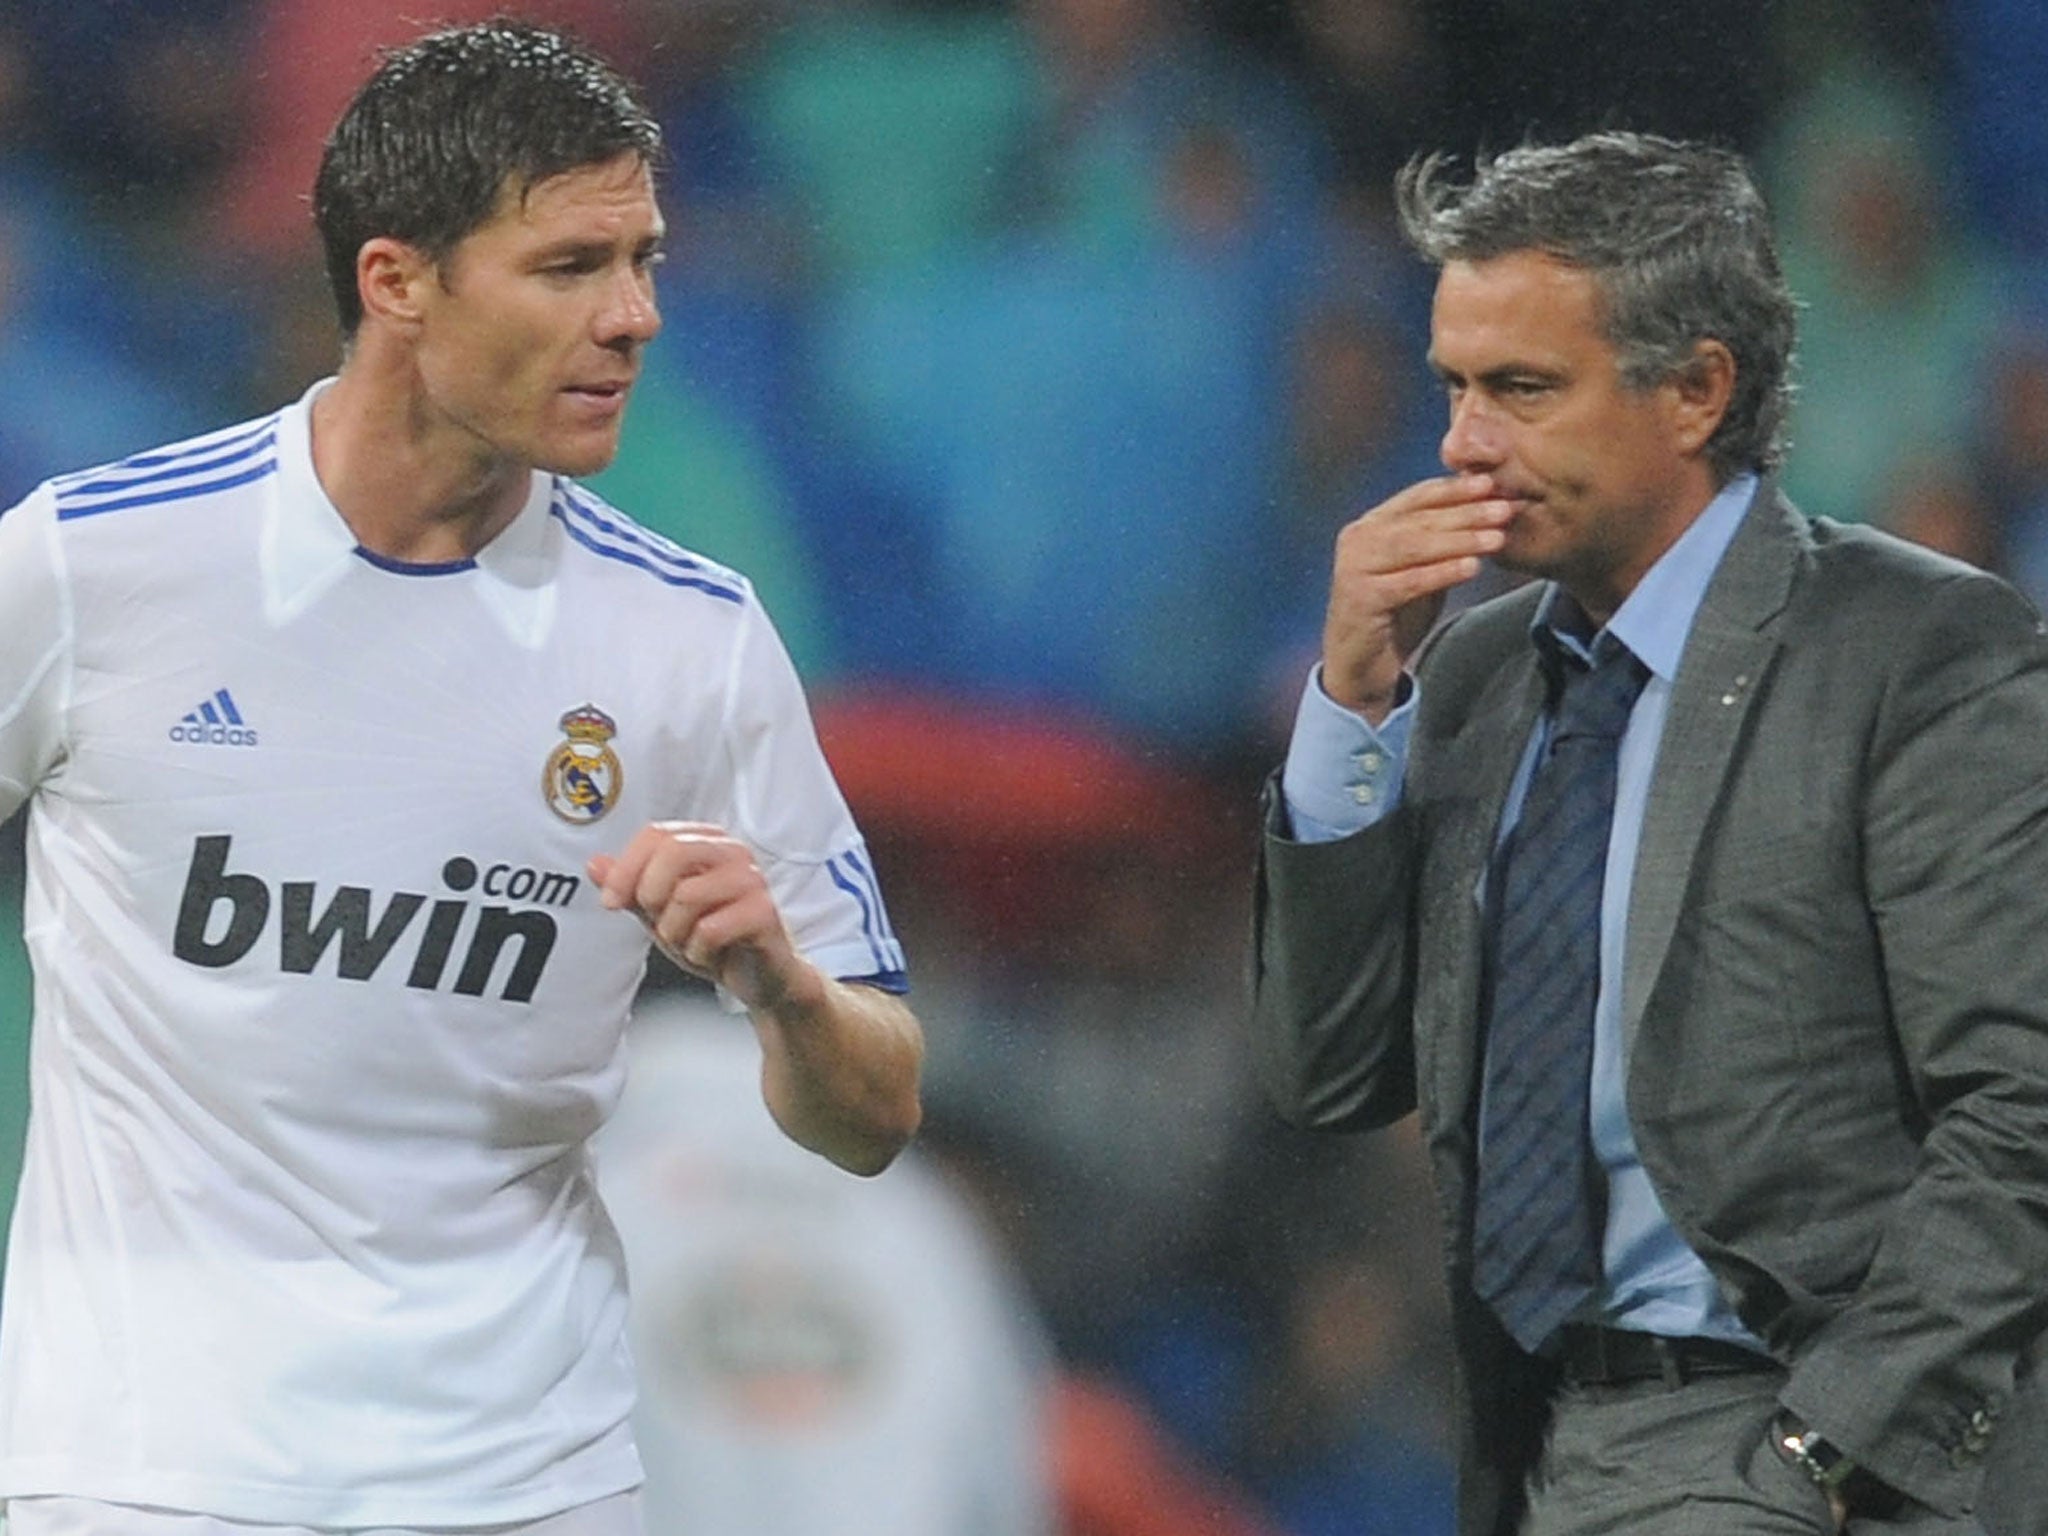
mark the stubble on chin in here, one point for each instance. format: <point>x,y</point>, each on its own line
<point>1538,548</point>
<point>578,460</point>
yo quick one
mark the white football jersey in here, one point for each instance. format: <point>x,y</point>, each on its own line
<point>819,1355</point>
<point>326,1006</point>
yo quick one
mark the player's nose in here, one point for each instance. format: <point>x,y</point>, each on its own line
<point>631,317</point>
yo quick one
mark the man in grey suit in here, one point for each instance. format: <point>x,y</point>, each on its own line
<point>1696,893</point>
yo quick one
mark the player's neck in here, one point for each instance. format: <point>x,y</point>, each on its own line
<point>409,488</point>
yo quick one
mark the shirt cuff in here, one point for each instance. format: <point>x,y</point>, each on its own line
<point>1342,775</point>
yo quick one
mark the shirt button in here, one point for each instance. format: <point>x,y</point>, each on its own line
<point>1369,761</point>
<point>1363,794</point>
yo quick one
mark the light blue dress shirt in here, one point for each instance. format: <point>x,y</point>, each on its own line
<point>1342,775</point>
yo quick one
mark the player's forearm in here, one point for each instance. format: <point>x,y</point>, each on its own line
<point>840,1071</point>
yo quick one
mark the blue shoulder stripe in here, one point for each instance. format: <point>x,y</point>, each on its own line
<point>609,521</point>
<point>120,484</point>
<point>177,454</point>
<point>640,561</point>
<point>263,467</point>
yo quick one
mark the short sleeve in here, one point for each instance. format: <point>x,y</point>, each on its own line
<point>34,640</point>
<point>788,808</point>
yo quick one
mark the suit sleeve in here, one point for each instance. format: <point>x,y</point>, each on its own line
<point>34,644</point>
<point>1913,1374</point>
<point>1333,972</point>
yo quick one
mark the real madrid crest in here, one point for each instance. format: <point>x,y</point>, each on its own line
<point>582,779</point>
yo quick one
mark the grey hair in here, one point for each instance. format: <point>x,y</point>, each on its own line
<point>1676,238</point>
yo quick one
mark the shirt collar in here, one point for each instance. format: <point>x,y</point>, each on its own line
<point>1655,618</point>
<point>308,546</point>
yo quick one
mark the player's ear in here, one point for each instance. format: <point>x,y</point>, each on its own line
<point>392,277</point>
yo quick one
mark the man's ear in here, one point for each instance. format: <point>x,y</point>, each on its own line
<point>1699,394</point>
<point>392,278</point>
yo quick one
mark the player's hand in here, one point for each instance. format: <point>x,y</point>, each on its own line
<point>1393,566</point>
<point>708,906</point>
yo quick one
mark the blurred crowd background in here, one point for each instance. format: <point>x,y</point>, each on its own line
<point>1029,355</point>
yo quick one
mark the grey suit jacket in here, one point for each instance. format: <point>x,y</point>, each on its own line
<point>1835,993</point>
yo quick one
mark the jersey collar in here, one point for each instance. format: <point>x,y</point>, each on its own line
<point>308,547</point>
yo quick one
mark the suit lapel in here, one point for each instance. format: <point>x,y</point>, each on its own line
<point>1720,675</point>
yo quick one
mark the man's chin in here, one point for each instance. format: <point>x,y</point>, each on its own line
<point>1526,554</point>
<point>1540,560</point>
<point>578,460</point>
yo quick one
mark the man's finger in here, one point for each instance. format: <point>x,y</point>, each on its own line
<point>685,844</point>
<point>1469,528</point>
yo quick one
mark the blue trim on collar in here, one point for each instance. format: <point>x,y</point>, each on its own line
<point>416,568</point>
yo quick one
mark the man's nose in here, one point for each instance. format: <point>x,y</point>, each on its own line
<point>1475,442</point>
<point>630,316</point>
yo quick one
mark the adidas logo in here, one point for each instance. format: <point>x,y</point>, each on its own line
<point>215,723</point>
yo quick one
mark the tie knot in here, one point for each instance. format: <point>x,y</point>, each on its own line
<point>1595,699</point>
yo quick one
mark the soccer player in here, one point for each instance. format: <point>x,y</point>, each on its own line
<point>364,753</point>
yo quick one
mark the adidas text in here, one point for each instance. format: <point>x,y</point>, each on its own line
<point>214,735</point>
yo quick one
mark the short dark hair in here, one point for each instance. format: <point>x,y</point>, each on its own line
<point>1675,235</point>
<point>448,123</point>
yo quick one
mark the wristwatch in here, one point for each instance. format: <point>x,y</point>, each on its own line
<point>1833,1469</point>
<point>1819,1458</point>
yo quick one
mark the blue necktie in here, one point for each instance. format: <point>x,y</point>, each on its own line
<point>1540,1208</point>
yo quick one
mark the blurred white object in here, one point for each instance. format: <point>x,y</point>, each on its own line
<point>819,1355</point>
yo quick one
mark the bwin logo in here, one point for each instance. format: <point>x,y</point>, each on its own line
<point>363,942</point>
